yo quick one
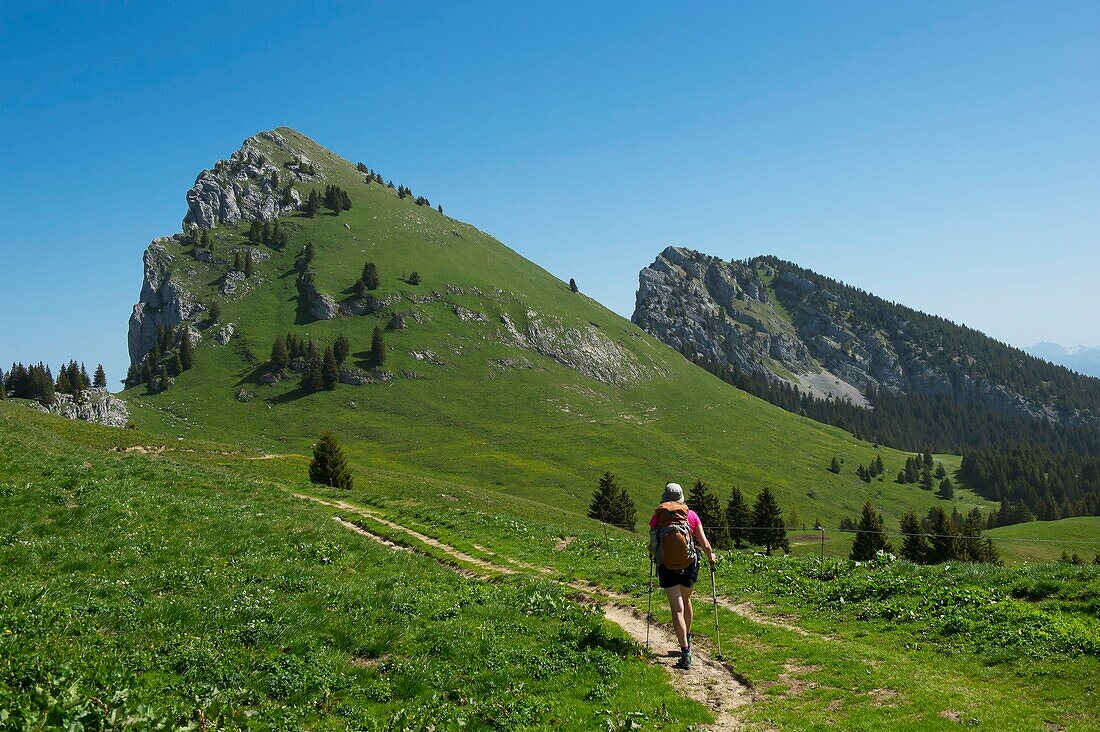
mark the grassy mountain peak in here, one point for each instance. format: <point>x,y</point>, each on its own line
<point>495,373</point>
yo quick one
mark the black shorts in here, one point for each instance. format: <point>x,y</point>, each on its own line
<point>671,577</point>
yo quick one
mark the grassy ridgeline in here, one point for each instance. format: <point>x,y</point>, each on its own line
<point>163,591</point>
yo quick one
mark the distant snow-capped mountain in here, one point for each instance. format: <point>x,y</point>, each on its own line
<point>1082,359</point>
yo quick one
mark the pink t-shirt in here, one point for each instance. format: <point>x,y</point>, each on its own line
<point>693,521</point>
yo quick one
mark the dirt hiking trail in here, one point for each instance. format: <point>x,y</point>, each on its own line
<point>708,681</point>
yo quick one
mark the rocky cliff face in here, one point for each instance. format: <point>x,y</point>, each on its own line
<point>163,301</point>
<point>252,183</point>
<point>249,185</point>
<point>774,319</point>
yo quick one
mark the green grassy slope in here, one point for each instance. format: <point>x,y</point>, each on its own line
<point>1046,540</point>
<point>493,414</point>
<point>184,574</point>
<point>141,591</point>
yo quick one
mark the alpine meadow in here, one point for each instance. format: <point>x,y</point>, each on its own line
<point>374,470</point>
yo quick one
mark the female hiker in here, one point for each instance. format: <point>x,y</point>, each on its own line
<point>675,532</point>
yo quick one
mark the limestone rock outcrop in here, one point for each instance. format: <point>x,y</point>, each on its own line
<point>97,405</point>
<point>163,301</point>
<point>249,185</point>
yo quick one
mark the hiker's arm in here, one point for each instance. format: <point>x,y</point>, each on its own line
<point>701,540</point>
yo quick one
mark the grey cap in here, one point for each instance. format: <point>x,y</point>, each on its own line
<point>673,492</point>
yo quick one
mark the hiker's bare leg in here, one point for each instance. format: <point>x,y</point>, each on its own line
<point>676,605</point>
<point>685,593</point>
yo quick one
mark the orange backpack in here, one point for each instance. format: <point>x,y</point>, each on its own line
<point>671,543</point>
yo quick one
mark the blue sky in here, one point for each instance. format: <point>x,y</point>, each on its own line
<point>941,154</point>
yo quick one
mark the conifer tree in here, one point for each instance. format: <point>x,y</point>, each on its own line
<point>612,504</point>
<point>214,312</point>
<point>870,535</point>
<point>940,473</point>
<point>280,356</point>
<point>942,536</point>
<point>63,385</point>
<point>703,501</point>
<point>877,468</point>
<point>440,207</point>
<point>330,371</point>
<point>312,204</point>
<point>309,253</point>
<point>926,478</point>
<point>928,459</point>
<point>377,348</point>
<point>147,371</point>
<point>237,266</point>
<point>573,285</point>
<point>946,490</point>
<point>768,529</point>
<point>370,276</point>
<point>187,349</point>
<point>100,378</point>
<point>341,349</point>
<point>603,499</point>
<point>834,466</point>
<point>313,380</point>
<point>914,546</point>
<point>738,518</point>
<point>249,267</point>
<point>85,382</point>
<point>329,466</point>
<point>414,278</point>
<point>176,365</point>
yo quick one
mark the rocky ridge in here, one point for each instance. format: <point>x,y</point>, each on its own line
<point>773,319</point>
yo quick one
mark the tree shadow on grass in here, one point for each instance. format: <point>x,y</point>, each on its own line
<point>302,316</point>
<point>253,376</point>
<point>289,397</point>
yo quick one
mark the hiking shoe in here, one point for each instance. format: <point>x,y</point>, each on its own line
<point>685,660</point>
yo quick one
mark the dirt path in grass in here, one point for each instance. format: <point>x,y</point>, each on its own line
<point>709,681</point>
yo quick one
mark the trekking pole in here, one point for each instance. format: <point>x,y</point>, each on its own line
<point>649,612</point>
<point>714,595</point>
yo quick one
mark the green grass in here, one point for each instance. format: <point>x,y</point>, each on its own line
<point>146,592</point>
<point>190,579</point>
<point>1046,540</point>
<point>544,433</point>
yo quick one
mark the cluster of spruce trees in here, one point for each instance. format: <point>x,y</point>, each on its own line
<point>269,234</point>
<point>321,369</point>
<point>935,539</point>
<point>1049,485</point>
<point>36,381</point>
<point>733,527</point>
<point>245,265</point>
<point>335,198</point>
<point>166,359</point>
